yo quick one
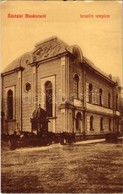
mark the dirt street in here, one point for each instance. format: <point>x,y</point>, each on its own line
<point>92,168</point>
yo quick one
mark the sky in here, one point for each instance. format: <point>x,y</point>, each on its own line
<point>99,38</point>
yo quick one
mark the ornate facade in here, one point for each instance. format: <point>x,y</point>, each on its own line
<point>77,96</point>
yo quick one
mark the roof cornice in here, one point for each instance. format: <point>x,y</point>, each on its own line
<point>13,71</point>
<point>49,59</point>
<point>98,73</point>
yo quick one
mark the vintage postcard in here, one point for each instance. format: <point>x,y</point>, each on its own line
<point>61,97</point>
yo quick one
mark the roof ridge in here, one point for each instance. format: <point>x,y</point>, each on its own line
<point>49,40</point>
<point>109,76</point>
<point>46,40</point>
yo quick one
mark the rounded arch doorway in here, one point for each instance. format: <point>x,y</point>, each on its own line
<point>78,122</point>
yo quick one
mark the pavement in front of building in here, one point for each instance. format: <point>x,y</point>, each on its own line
<point>90,141</point>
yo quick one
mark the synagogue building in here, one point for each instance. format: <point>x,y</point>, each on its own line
<point>77,96</point>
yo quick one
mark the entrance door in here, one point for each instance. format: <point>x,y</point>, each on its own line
<point>78,122</point>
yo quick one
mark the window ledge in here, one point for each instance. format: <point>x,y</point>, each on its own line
<point>100,105</point>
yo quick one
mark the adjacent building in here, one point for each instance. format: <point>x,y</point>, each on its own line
<point>77,96</point>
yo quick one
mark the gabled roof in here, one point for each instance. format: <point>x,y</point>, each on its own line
<point>13,65</point>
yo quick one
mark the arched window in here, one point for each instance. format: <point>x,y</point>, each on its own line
<point>101,124</point>
<point>10,104</point>
<point>76,86</point>
<point>91,123</point>
<point>48,92</point>
<point>100,96</point>
<point>109,124</point>
<point>109,100</point>
<point>90,93</point>
<point>116,102</point>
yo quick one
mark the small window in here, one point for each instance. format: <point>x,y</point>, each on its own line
<point>116,102</point>
<point>109,124</point>
<point>101,124</point>
<point>27,87</point>
<point>76,86</point>
<point>10,104</point>
<point>117,124</point>
<point>100,96</point>
<point>49,104</point>
<point>90,93</point>
<point>91,124</point>
<point>109,100</point>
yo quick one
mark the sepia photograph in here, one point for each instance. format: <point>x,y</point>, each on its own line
<point>61,97</point>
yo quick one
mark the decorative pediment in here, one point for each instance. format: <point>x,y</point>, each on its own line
<point>26,59</point>
<point>77,52</point>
